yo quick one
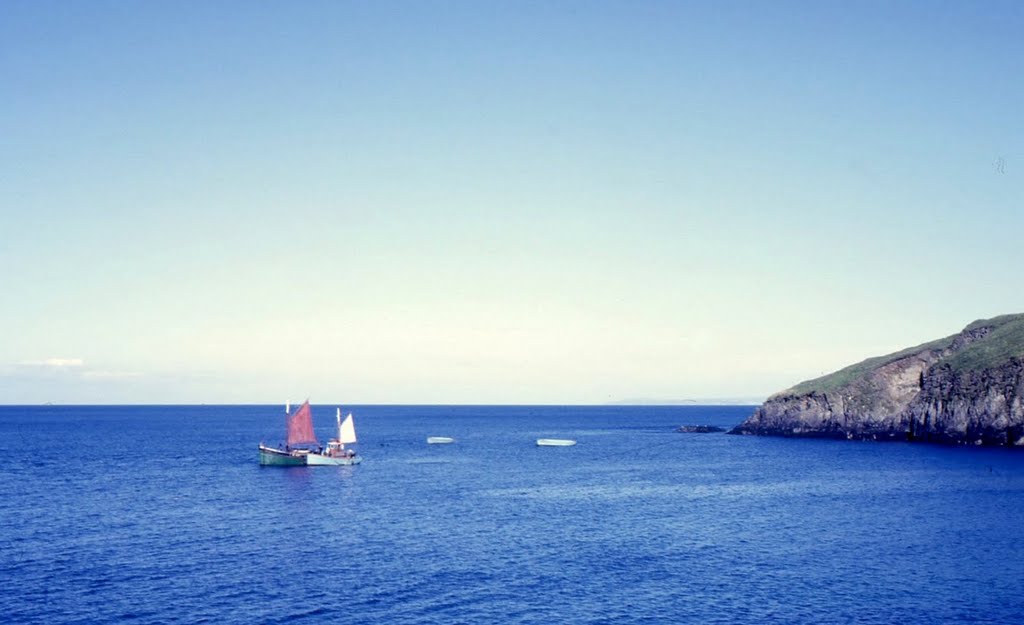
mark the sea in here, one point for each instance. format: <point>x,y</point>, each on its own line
<point>162,514</point>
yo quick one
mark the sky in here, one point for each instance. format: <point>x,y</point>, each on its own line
<point>497,202</point>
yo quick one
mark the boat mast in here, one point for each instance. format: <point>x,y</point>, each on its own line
<point>287,410</point>
<point>338,417</point>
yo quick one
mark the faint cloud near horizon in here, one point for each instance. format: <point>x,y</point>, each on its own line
<point>74,367</point>
<point>56,363</point>
<point>111,374</point>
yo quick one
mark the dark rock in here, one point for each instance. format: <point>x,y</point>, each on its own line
<point>699,429</point>
<point>965,389</point>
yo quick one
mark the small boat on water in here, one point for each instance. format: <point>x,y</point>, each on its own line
<point>439,440</point>
<point>336,454</point>
<point>555,442</point>
<point>303,449</point>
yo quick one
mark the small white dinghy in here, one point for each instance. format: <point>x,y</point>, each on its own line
<point>555,442</point>
<point>439,440</point>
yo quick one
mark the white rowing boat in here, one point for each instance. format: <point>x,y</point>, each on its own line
<point>555,442</point>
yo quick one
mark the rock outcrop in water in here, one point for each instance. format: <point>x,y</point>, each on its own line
<point>966,388</point>
<point>699,429</point>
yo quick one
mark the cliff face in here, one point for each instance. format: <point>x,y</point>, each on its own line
<point>966,388</point>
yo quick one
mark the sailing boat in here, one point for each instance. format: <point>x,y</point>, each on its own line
<point>302,443</point>
<point>336,454</point>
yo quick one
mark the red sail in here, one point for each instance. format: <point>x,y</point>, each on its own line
<point>300,427</point>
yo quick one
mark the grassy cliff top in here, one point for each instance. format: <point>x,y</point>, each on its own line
<point>1005,340</point>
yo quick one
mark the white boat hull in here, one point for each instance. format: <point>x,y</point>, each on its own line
<point>439,440</point>
<point>555,442</point>
<point>315,460</point>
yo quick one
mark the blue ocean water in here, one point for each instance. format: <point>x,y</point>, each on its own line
<point>160,514</point>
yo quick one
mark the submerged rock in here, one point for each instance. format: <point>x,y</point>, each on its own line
<point>699,429</point>
<point>966,388</point>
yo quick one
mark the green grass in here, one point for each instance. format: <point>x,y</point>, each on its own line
<point>996,322</point>
<point>851,374</point>
<point>1005,341</point>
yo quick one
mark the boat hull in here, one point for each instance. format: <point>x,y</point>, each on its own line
<point>278,458</point>
<point>439,440</point>
<point>315,460</point>
<point>555,442</point>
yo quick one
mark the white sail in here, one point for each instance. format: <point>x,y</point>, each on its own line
<point>347,430</point>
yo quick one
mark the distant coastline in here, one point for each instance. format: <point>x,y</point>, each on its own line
<point>642,401</point>
<point>705,401</point>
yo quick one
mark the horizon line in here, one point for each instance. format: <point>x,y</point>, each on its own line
<point>709,402</point>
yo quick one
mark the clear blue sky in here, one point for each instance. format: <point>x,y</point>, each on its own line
<point>529,202</point>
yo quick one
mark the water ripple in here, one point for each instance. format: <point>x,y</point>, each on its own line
<point>161,516</point>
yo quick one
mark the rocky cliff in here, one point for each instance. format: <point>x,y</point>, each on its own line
<point>965,388</point>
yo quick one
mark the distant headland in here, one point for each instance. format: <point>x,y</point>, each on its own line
<point>701,401</point>
<point>967,388</point>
